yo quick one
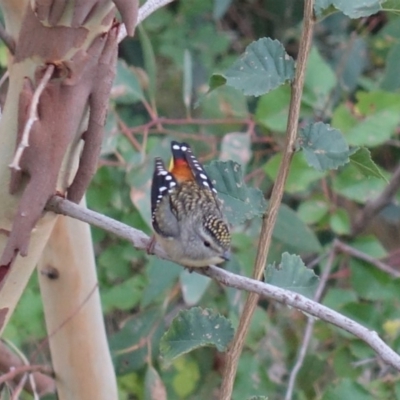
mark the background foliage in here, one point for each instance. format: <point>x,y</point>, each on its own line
<point>350,112</point>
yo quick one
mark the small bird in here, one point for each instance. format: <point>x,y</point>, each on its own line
<point>186,212</point>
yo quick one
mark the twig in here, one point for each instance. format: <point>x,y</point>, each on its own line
<point>345,248</point>
<point>33,116</point>
<point>295,300</point>
<point>310,326</point>
<point>13,364</point>
<point>15,371</point>
<point>374,206</point>
<point>19,387</point>
<point>193,121</point>
<point>144,11</point>
<point>233,354</point>
<point>7,39</point>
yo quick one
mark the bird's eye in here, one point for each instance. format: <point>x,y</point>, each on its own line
<point>207,244</point>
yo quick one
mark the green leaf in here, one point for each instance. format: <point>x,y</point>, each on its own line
<point>273,109</point>
<point>126,88</point>
<point>195,328</point>
<point>300,177</point>
<point>312,211</point>
<point>324,147</point>
<point>362,160</point>
<point>156,288</point>
<point>123,296</point>
<point>340,222</point>
<point>368,103</point>
<point>186,378</point>
<point>129,346</point>
<point>240,202</point>
<point>353,8</point>
<point>375,129</point>
<point>264,66</point>
<point>320,80</point>
<point>216,81</point>
<point>226,102</point>
<point>291,230</point>
<point>193,286</point>
<point>292,274</point>
<point>154,386</point>
<point>351,183</point>
<point>347,389</point>
<point>391,77</point>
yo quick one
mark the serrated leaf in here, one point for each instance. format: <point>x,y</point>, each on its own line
<point>293,275</point>
<point>195,328</point>
<point>264,66</point>
<point>353,8</point>
<point>362,160</point>
<point>324,147</point>
<point>240,202</point>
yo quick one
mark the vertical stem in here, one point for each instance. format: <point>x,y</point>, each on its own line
<point>270,216</point>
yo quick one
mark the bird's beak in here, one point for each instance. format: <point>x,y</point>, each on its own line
<point>227,255</point>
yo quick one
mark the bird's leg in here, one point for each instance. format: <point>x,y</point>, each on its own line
<point>150,247</point>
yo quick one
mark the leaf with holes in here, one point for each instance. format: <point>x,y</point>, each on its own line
<point>240,202</point>
<point>195,328</point>
<point>324,147</point>
<point>263,67</point>
<point>292,274</point>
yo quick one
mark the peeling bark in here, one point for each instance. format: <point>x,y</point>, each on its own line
<point>85,78</point>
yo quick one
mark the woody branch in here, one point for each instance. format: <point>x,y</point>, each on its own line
<point>141,241</point>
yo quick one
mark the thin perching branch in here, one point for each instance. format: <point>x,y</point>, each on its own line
<point>310,326</point>
<point>141,241</point>
<point>144,11</point>
<point>345,248</point>
<point>32,117</point>
<point>233,354</point>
